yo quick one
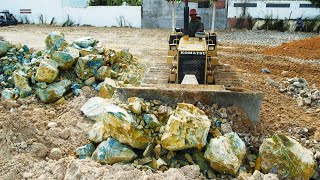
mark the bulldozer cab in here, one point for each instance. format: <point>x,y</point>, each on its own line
<point>191,57</point>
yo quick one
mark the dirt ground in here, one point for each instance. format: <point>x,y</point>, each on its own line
<point>24,131</point>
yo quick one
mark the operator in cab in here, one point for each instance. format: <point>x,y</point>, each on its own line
<point>195,25</point>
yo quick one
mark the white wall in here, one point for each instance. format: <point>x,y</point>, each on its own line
<point>76,9</point>
<point>261,11</point>
<point>106,15</point>
<point>47,8</point>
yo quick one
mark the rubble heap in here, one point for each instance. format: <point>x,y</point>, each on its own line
<point>299,89</point>
<point>61,67</point>
<point>155,136</point>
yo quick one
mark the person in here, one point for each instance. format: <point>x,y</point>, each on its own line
<point>202,25</point>
<point>299,24</point>
<point>195,25</point>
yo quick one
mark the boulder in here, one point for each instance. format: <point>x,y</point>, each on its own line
<point>108,88</point>
<point>88,66</point>
<point>55,41</point>
<point>225,153</point>
<point>4,47</point>
<point>66,59</point>
<point>85,151</point>
<point>103,72</point>
<point>151,120</point>
<point>98,133</point>
<point>7,94</point>
<point>47,71</point>
<point>136,104</point>
<point>285,157</point>
<point>112,151</point>
<point>21,83</point>
<point>117,121</point>
<point>85,42</point>
<point>54,91</point>
<point>187,127</point>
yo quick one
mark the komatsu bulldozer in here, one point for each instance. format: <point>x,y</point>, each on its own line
<point>193,73</point>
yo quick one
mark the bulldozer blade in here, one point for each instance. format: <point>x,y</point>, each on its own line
<point>249,102</point>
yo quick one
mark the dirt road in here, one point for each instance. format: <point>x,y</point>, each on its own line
<point>279,113</point>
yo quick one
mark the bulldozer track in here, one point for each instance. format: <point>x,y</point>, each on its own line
<point>223,75</point>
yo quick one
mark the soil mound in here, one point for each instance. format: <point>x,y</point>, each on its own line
<point>308,49</point>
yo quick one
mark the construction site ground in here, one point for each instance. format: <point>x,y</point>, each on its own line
<point>243,50</point>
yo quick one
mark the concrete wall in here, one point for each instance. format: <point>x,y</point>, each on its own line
<point>106,15</point>
<point>261,11</point>
<point>157,14</point>
<point>77,10</point>
<point>47,8</point>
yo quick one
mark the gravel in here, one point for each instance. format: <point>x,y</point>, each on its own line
<point>266,38</point>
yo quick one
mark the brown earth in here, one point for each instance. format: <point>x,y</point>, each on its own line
<point>28,123</point>
<point>308,49</point>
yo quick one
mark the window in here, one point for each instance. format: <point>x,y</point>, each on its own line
<point>205,4</point>
<point>245,4</point>
<point>308,6</point>
<point>274,5</point>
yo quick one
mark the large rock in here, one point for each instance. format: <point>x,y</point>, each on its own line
<point>287,158</point>
<point>225,153</point>
<point>54,91</point>
<point>88,66</point>
<point>85,151</point>
<point>108,88</point>
<point>67,58</point>
<point>103,72</point>
<point>47,71</point>
<point>112,151</point>
<point>21,83</point>
<point>98,133</point>
<point>4,47</point>
<point>55,41</point>
<point>117,121</point>
<point>187,127</point>
<point>85,42</point>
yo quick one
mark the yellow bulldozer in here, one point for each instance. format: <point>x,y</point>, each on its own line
<point>193,73</point>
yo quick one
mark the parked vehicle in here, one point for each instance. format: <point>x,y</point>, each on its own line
<point>7,19</point>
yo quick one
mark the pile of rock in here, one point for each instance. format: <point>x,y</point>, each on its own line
<point>155,136</point>
<point>61,67</point>
<point>299,89</point>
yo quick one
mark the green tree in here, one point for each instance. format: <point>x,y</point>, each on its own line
<point>315,2</point>
<point>115,2</point>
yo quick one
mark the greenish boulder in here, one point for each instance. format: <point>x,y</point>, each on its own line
<point>135,105</point>
<point>187,127</point>
<point>7,94</point>
<point>66,59</point>
<point>55,41</point>
<point>54,91</point>
<point>103,72</point>
<point>285,157</point>
<point>4,47</point>
<point>151,120</point>
<point>85,151</point>
<point>47,72</point>
<point>225,153</point>
<point>112,151</point>
<point>85,42</point>
<point>21,83</point>
<point>98,133</point>
<point>108,88</point>
<point>120,124</point>
<point>88,66</point>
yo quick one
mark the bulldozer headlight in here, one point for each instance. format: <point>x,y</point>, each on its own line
<point>173,47</point>
<point>211,47</point>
